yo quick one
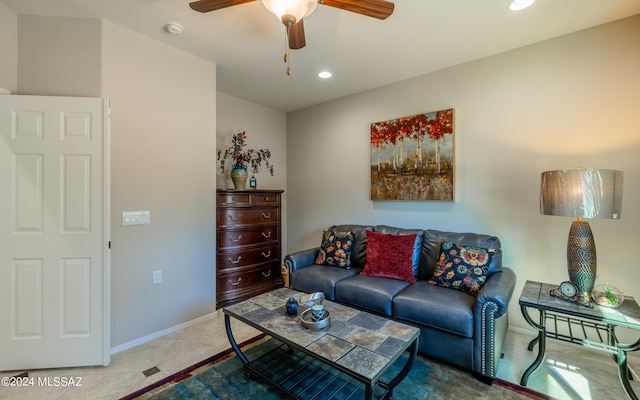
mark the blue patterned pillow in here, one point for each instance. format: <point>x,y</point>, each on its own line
<point>462,267</point>
<point>336,249</point>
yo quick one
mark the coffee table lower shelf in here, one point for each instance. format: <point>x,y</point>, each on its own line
<point>297,375</point>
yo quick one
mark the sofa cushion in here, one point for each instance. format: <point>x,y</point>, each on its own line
<point>320,278</point>
<point>462,267</point>
<point>369,292</point>
<point>335,249</point>
<point>417,246</point>
<point>422,303</point>
<point>390,256</point>
<point>359,248</point>
<point>432,239</point>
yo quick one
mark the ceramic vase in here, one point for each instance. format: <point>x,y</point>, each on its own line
<point>239,176</point>
<point>292,306</point>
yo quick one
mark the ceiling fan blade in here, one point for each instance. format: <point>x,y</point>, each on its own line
<point>379,9</point>
<point>204,6</point>
<point>296,36</point>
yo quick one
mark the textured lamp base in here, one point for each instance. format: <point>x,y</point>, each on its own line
<point>581,256</point>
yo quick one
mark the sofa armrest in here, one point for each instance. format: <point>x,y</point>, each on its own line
<point>498,289</point>
<point>301,259</point>
<point>491,322</point>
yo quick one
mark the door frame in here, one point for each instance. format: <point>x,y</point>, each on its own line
<point>106,224</point>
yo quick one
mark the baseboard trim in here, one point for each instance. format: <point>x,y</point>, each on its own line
<point>159,334</point>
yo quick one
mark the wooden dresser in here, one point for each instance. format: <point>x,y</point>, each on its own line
<point>248,259</point>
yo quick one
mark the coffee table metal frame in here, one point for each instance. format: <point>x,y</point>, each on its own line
<point>573,323</point>
<point>371,383</point>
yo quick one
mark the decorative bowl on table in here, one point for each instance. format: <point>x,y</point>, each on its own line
<point>607,295</point>
<point>309,322</point>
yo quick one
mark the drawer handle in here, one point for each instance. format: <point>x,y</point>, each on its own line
<point>235,283</point>
<point>266,198</point>
<point>231,217</point>
<point>236,261</point>
<point>268,274</point>
<point>266,216</point>
<point>266,235</point>
<point>235,240</point>
<point>266,255</point>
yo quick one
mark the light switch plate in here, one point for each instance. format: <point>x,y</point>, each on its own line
<point>136,217</point>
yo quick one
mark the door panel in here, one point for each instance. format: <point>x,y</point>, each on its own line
<point>76,193</point>
<point>27,314</point>
<point>27,192</point>
<point>54,232</point>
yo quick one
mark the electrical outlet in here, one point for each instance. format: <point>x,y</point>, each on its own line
<point>157,276</point>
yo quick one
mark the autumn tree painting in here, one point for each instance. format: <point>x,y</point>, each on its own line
<point>412,158</point>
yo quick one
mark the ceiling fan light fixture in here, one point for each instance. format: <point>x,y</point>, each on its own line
<point>517,5</point>
<point>290,10</point>
<point>288,20</point>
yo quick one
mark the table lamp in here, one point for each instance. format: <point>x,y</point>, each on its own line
<point>581,193</point>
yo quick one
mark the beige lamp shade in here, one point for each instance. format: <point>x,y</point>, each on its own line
<point>583,193</point>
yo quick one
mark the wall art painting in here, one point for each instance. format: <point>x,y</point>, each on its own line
<point>412,158</point>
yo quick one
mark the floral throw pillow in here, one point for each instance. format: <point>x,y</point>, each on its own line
<point>462,267</point>
<point>335,249</point>
<point>390,256</point>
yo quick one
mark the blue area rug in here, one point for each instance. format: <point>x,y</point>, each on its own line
<point>223,377</point>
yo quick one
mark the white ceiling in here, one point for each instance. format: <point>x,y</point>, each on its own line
<point>247,42</point>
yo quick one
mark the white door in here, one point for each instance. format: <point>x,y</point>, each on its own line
<point>54,232</point>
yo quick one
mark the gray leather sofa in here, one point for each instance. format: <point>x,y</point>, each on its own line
<point>456,327</point>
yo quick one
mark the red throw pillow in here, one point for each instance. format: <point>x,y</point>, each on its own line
<point>390,256</point>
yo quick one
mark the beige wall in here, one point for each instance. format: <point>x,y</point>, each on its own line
<point>59,56</point>
<point>8,49</point>
<point>163,123</point>
<point>564,103</point>
<point>266,129</point>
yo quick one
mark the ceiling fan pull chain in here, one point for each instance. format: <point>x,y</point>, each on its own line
<point>286,49</point>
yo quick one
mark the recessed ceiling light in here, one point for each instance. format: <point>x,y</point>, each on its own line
<point>325,74</point>
<point>517,5</point>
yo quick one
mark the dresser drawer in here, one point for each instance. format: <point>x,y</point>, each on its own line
<point>243,280</point>
<point>243,237</point>
<point>239,258</point>
<point>247,216</point>
<point>234,199</point>
<point>266,199</point>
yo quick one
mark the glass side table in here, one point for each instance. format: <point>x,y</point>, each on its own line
<point>592,327</point>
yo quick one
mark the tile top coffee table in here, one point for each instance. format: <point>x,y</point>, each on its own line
<point>356,347</point>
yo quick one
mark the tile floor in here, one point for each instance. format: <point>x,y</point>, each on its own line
<point>569,372</point>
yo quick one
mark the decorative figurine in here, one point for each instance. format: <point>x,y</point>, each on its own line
<point>292,306</point>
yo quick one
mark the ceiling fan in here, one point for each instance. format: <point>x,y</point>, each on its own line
<point>292,12</point>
